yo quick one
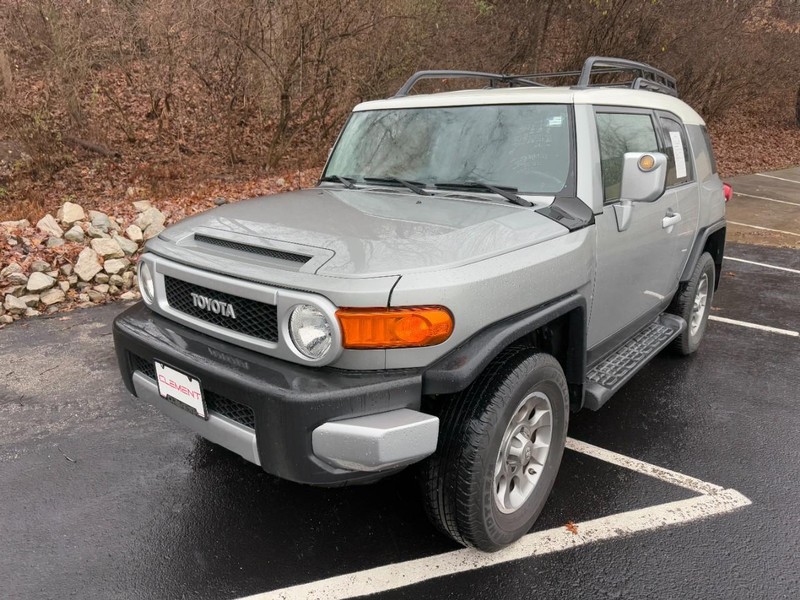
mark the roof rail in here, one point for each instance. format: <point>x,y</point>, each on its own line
<point>493,78</point>
<point>645,76</point>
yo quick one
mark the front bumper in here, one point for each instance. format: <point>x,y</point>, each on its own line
<point>314,425</point>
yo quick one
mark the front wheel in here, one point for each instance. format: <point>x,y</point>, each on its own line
<point>500,447</point>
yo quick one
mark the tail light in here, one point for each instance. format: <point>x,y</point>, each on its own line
<point>727,191</point>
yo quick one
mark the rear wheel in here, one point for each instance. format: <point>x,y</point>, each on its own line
<point>693,304</point>
<point>500,446</point>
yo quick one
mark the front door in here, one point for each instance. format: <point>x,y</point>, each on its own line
<point>637,269</point>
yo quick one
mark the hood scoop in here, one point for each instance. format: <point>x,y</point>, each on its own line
<point>255,250</point>
<point>301,259</point>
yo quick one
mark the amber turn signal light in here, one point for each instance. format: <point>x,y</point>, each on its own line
<point>647,163</point>
<point>406,327</point>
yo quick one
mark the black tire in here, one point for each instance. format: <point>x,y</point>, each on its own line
<point>458,481</point>
<point>683,305</point>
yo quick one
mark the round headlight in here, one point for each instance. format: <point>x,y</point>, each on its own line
<point>146,284</point>
<point>310,331</point>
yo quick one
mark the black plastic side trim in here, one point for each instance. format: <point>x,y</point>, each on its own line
<point>697,248</point>
<point>570,212</point>
<point>456,370</point>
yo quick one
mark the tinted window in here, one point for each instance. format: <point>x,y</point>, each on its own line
<point>679,162</point>
<point>620,133</point>
<point>523,146</point>
<point>709,149</point>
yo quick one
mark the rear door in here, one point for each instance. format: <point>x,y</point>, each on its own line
<point>681,184</point>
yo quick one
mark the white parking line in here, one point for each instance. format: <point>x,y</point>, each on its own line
<point>713,500</point>
<point>778,178</point>
<point>788,332</point>
<point>764,228</point>
<point>765,198</point>
<point>758,264</point>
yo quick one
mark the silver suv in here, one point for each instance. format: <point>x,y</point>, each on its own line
<point>472,267</point>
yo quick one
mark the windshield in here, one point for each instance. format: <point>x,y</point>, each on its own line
<point>523,146</point>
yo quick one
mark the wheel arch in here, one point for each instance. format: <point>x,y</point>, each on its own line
<point>712,240</point>
<point>557,328</point>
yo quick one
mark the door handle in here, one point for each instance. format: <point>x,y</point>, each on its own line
<point>670,220</point>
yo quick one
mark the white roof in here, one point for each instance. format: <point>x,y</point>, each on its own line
<point>543,95</point>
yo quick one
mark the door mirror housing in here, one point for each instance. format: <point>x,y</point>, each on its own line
<point>644,176</point>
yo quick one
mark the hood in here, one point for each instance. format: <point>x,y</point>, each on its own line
<point>370,233</point>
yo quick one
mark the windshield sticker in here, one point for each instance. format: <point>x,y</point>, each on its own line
<point>680,159</point>
<point>555,121</point>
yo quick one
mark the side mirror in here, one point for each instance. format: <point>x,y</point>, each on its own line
<point>644,176</point>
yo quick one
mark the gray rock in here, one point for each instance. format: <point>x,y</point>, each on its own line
<point>153,231</point>
<point>17,279</point>
<point>54,242</point>
<point>14,305</point>
<point>38,282</point>
<point>53,273</point>
<point>142,205</point>
<point>75,234</point>
<point>72,279</point>
<point>53,296</point>
<point>11,240</point>
<point>95,296</point>
<point>40,266</point>
<point>64,285</point>
<point>30,299</point>
<point>113,290</point>
<point>107,248</point>
<point>6,319</point>
<point>82,285</point>
<point>96,232</point>
<point>280,182</point>
<point>116,280</point>
<point>66,270</point>
<point>220,201</point>
<point>15,290</point>
<point>21,224</point>
<point>152,216</point>
<point>102,288</point>
<point>47,224</point>
<point>127,279</point>
<point>128,247</point>
<point>32,312</point>
<point>129,296</point>
<point>70,213</point>
<point>101,278</point>
<point>11,268</point>
<point>115,265</point>
<point>88,264</point>
<point>134,233</point>
<point>83,298</point>
<point>100,220</point>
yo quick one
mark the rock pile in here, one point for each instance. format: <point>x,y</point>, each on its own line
<point>92,259</point>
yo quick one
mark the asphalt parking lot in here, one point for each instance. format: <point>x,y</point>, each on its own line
<point>684,485</point>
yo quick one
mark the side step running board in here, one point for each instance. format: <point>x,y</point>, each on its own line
<point>610,374</point>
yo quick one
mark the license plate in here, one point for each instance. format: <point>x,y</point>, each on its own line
<point>182,389</point>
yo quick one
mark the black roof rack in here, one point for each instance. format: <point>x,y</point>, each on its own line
<point>645,77</point>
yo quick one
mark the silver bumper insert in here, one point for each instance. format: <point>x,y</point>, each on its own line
<point>377,442</point>
<point>219,430</point>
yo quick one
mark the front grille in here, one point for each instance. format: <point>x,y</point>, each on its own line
<point>253,318</point>
<point>290,256</point>
<point>215,403</point>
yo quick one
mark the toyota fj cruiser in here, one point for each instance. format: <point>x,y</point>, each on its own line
<point>472,266</point>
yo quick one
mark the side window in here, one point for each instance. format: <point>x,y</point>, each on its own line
<point>709,149</point>
<point>620,133</point>
<point>679,161</point>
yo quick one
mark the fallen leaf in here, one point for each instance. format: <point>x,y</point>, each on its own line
<point>572,528</point>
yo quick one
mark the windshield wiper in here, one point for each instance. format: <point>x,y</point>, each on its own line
<point>348,182</point>
<point>506,192</point>
<point>414,186</point>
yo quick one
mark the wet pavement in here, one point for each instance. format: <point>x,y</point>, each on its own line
<point>102,497</point>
